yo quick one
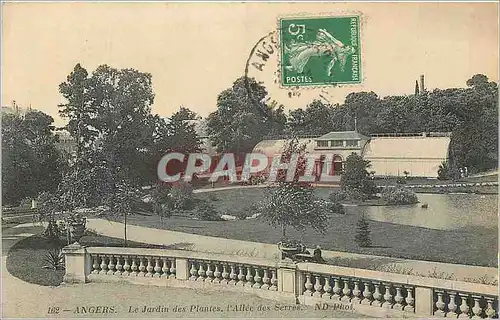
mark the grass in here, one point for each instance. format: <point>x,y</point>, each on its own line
<point>463,246</point>
<point>27,258</point>
<point>25,261</point>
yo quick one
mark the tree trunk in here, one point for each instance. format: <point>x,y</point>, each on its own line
<point>283,230</point>
<point>125,220</point>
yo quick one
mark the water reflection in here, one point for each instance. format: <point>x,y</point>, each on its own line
<point>445,212</point>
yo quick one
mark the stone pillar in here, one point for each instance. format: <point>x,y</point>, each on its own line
<point>181,269</point>
<point>424,301</point>
<point>287,280</point>
<point>78,264</point>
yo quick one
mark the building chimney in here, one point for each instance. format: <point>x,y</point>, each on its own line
<point>422,84</point>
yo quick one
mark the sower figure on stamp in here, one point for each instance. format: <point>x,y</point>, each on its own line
<point>325,44</point>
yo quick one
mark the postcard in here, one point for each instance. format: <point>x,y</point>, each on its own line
<point>249,160</point>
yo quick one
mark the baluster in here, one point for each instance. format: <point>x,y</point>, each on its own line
<point>318,288</point>
<point>452,307</point>
<point>476,309</point>
<point>367,295</point>
<point>172,269</point>
<point>126,267</point>
<point>257,279</point>
<point>134,267</point>
<point>464,306</point>
<point>249,277</point>
<point>346,291</point>
<point>274,281</point>
<point>490,312</point>
<point>232,275</point>
<point>336,289</point>
<point>440,305</point>
<point>193,272</point>
<point>104,265</point>
<point>308,285</point>
<point>387,297</point>
<point>95,265</point>
<point>164,268</point>
<point>142,267</point>
<point>210,273</point>
<point>201,272</point>
<point>265,281</point>
<point>327,288</point>
<point>241,277</point>
<point>398,299</point>
<point>111,265</point>
<point>377,296</point>
<point>149,268</point>
<point>157,268</point>
<point>225,274</point>
<point>217,274</point>
<point>410,301</point>
<point>118,266</point>
<point>356,293</point>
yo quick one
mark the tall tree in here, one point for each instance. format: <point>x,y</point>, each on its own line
<point>109,113</point>
<point>31,162</point>
<point>242,119</point>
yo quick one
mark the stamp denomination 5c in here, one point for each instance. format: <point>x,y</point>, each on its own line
<point>320,51</point>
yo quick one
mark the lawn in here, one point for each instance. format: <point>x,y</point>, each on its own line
<point>464,246</point>
<point>25,260</point>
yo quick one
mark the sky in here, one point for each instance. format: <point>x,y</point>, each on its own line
<point>196,50</point>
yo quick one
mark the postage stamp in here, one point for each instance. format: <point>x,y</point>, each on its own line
<point>319,51</point>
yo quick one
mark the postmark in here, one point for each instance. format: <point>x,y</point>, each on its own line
<point>319,50</point>
<point>307,57</point>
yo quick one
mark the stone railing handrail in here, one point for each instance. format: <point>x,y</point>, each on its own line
<point>418,281</point>
<point>367,291</point>
<point>182,254</point>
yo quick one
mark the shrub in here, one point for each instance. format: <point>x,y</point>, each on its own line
<point>53,232</point>
<point>290,243</point>
<point>336,196</point>
<point>206,211</point>
<point>397,196</point>
<point>362,237</point>
<point>336,207</point>
<point>54,259</point>
<point>355,194</point>
<point>401,181</point>
<point>254,180</point>
<point>182,196</point>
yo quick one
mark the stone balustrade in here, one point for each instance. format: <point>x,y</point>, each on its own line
<point>388,294</point>
<point>369,292</point>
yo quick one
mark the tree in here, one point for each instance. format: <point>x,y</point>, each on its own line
<point>185,114</point>
<point>294,203</point>
<point>31,162</point>
<point>356,181</point>
<point>241,119</point>
<point>316,119</point>
<point>110,113</point>
<point>362,236</point>
<point>162,201</point>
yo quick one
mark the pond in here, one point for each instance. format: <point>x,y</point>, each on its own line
<point>444,212</point>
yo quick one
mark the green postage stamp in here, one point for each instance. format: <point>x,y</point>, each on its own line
<point>320,51</point>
